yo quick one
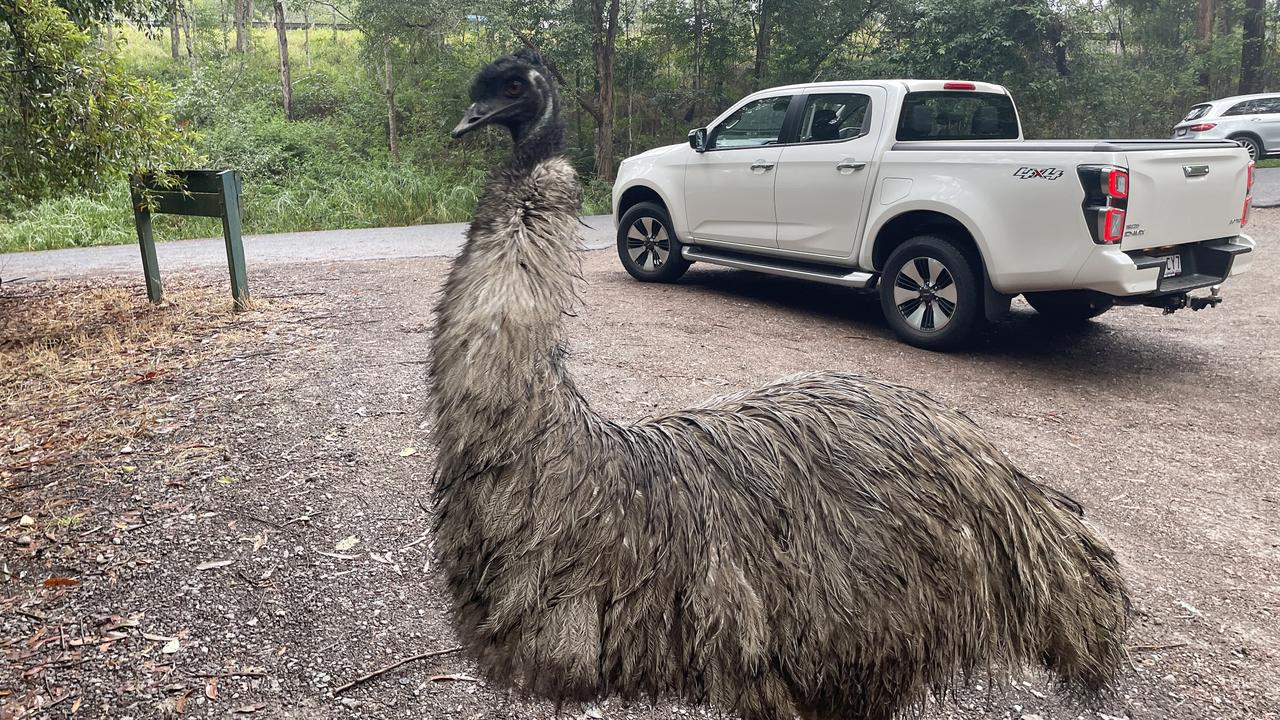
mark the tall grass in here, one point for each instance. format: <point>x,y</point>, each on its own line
<point>327,168</point>
<point>370,195</point>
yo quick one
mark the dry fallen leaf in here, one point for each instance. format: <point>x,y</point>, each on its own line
<point>406,452</point>
<point>181,705</point>
<point>347,543</point>
<point>211,688</point>
<point>213,564</point>
<point>246,709</point>
<point>170,647</point>
<point>259,541</point>
<point>61,582</point>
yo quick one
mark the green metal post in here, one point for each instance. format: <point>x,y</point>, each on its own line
<point>231,232</point>
<point>150,265</point>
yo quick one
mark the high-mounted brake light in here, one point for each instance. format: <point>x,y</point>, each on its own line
<point>1112,225</point>
<point>1117,182</point>
<point>1202,127</point>
<point>959,86</point>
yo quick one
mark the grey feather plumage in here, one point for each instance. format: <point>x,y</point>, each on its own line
<point>827,545</point>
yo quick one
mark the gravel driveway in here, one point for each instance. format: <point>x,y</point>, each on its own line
<point>271,543</point>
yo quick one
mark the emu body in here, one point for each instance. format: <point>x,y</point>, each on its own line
<point>827,545</point>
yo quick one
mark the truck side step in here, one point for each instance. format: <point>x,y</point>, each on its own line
<point>829,274</point>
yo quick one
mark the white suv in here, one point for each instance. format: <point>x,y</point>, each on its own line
<point>925,192</point>
<point>1251,120</point>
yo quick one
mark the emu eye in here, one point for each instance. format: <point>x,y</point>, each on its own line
<point>513,89</point>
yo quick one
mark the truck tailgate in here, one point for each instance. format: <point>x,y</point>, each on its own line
<point>1179,196</point>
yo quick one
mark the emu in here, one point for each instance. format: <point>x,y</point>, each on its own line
<point>828,545</point>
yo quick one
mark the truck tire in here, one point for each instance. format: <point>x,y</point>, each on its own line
<point>647,244</point>
<point>1070,305</point>
<point>931,294</point>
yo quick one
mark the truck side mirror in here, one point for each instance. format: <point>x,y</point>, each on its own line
<point>698,139</point>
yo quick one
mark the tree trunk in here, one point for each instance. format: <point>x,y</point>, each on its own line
<point>604,17</point>
<point>1251,50</point>
<point>282,38</point>
<point>226,30</point>
<point>1204,21</point>
<point>306,31</point>
<point>389,92</point>
<point>1204,39</point>
<point>244,24</point>
<point>174,39</point>
<point>188,31</point>
<point>762,42</point>
<point>335,23</point>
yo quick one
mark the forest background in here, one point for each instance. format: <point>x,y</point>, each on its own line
<point>337,113</point>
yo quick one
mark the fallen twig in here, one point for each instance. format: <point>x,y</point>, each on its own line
<point>392,666</point>
<point>1158,648</point>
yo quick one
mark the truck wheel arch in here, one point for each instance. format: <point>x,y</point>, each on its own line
<point>911,223</point>
<point>635,195</point>
<point>916,222</point>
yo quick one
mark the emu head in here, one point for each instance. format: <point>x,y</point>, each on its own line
<point>515,91</point>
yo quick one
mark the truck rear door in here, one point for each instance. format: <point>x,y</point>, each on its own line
<point>827,169</point>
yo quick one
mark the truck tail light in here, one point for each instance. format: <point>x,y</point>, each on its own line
<point>1248,196</point>
<point>959,86</point>
<point>1202,127</point>
<point>1112,222</point>
<point>1106,201</point>
<point>1117,182</point>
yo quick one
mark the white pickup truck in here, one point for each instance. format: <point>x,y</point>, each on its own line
<point>926,192</point>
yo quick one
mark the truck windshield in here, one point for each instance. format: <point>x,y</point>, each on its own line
<point>958,115</point>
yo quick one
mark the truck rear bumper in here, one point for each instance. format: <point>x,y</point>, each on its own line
<point>1118,273</point>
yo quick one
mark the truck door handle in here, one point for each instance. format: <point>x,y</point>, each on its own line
<point>760,166</point>
<point>847,166</point>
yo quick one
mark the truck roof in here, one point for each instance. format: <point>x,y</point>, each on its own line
<point>909,85</point>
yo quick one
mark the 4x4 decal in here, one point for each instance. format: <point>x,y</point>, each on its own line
<point>1030,173</point>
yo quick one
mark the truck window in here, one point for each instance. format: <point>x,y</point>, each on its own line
<point>959,115</point>
<point>833,117</point>
<point>757,123</point>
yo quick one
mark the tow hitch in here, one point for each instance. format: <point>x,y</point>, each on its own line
<point>1172,303</point>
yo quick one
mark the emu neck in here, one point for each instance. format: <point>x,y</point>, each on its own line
<point>497,367</point>
<point>539,139</point>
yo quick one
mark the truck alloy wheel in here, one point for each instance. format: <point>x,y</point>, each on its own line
<point>929,293</point>
<point>647,246</point>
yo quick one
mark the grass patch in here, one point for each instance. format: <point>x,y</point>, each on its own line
<point>1269,163</point>
<point>82,363</point>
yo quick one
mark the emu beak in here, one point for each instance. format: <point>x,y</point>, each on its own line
<point>478,115</point>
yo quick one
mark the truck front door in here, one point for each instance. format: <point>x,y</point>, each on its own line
<point>729,187</point>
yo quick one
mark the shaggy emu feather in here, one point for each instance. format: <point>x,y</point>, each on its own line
<point>827,545</point>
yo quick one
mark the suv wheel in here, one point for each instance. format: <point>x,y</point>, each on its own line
<point>930,294</point>
<point>647,246</point>
<point>1256,151</point>
<point>1069,305</point>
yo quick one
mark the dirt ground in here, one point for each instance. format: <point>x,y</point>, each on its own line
<point>264,540</point>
